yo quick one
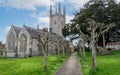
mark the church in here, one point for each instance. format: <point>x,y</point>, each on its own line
<point>23,42</point>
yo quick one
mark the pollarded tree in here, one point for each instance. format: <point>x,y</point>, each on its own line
<point>44,43</point>
<point>104,11</point>
<point>85,38</point>
<point>80,48</point>
<point>93,26</point>
<point>58,49</point>
<point>59,42</point>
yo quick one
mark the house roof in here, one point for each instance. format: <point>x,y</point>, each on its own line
<point>2,46</point>
<point>113,43</point>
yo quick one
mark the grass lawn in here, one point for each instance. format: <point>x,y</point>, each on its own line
<point>106,65</point>
<point>29,66</point>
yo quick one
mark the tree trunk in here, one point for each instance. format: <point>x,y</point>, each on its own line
<point>5,52</point>
<point>65,49</point>
<point>84,55</point>
<point>63,52</point>
<point>94,63</point>
<point>58,53</point>
<point>105,50</point>
<point>16,52</point>
<point>80,51</point>
<point>45,59</point>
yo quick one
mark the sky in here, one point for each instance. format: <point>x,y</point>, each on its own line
<point>32,12</point>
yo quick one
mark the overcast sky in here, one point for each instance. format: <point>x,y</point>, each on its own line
<point>32,12</point>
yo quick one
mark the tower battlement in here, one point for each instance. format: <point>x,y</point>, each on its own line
<point>57,20</point>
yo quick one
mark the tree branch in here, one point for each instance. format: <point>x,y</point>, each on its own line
<point>110,26</point>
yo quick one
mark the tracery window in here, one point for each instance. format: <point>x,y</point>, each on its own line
<point>23,43</point>
<point>11,41</point>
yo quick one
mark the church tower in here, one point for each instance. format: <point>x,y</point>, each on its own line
<point>57,20</point>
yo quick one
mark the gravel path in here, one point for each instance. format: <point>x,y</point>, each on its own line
<point>71,67</point>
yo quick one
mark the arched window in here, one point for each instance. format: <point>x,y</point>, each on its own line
<point>55,22</point>
<point>62,23</point>
<point>11,41</point>
<point>23,43</point>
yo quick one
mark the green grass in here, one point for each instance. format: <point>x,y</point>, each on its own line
<point>29,66</point>
<point>106,65</point>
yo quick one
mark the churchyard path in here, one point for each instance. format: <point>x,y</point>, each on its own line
<point>70,67</point>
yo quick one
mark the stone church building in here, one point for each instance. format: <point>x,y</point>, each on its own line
<point>22,42</point>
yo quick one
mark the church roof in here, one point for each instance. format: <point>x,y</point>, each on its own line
<point>33,32</point>
<point>17,29</point>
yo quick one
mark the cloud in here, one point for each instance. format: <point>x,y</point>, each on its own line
<point>43,13</point>
<point>44,20</point>
<point>33,4</point>
<point>26,4</point>
<point>7,29</point>
<point>33,15</point>
<point>68,18</point>
<point>77,4</point>
<point>59,1</point>
<point>42,17</point>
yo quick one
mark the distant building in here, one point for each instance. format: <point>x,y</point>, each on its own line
<point>23,41</point>
<point>113,45</point>
<point>2,48</point>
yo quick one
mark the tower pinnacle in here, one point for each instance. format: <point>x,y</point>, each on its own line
<point>64,12</point>
<point>50,10</point>
<point>59,8</point>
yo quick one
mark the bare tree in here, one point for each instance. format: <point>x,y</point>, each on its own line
<point>105,29</point>
<point>63,47</point>
<point>80,48</point>
<point>58,47</point>
<point>44,43</point>
<point>83,39</point>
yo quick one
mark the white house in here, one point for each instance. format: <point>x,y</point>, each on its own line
<point>113,45</point>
